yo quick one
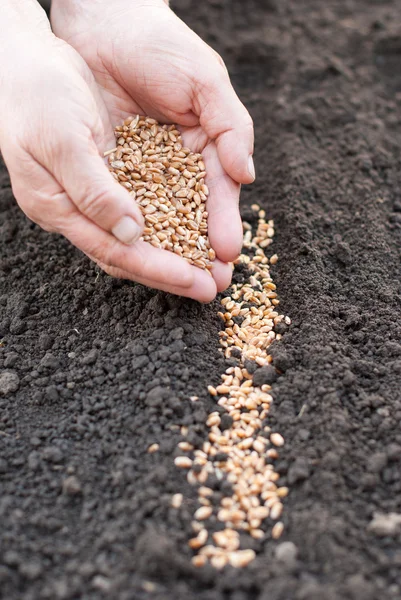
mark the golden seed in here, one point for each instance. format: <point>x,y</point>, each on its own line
<point>277,439</point>
<point>213,420</point>
<point>204,512</point>
<point>241,558</point>
<point>222,389</point>
<point>149,161</point>
<point>176,500</point>
<point>183,462</point>
<point>276,511</point>
<point>258,534</point>
<point>219,562</point>
<point>153,448</point>
<point>200,540</point>
<point>185,446</point>
<point>198,561</point>
<point>277,530</point>
<point>255,493</point>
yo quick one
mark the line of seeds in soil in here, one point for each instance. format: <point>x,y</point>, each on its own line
<point>242,453</point>
<point>167,180</point>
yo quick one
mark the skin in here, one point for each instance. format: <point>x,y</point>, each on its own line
<point>104,61</point>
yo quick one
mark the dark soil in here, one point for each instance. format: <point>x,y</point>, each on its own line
<point>96,370</point>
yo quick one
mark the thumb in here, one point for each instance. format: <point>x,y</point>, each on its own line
<point>226,120</point>
<point>82,173</point>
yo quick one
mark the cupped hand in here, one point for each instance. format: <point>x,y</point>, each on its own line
<point>54,128</point>
<point>147,61</point>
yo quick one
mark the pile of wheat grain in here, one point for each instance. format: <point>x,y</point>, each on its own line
<point>167,180</point>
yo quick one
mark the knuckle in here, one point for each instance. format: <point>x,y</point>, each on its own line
<point>57,147</point>
<point>248,121</point>
<point>106,253</point>
<point>220,60</point>
<point>95,202</point>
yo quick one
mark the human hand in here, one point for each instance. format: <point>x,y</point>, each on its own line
<point>54,126</point>
<point>147,61</point>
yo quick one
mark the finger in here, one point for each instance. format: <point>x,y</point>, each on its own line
<point>44,201</point>
<point>222,274</point>
<point>203,288</point>
<point>226,120</point>
<point>141,260</point>
<point>224,221</point>
<point>82,173</point>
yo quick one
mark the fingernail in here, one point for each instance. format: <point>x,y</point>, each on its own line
<point>251,167</point>
<point>127,230</point>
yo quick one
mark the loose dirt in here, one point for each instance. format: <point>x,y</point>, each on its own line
<point>95,371</point>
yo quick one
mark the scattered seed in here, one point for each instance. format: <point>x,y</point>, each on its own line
<point>185,446</point>
<point>276,511</point>
<point>200,540</point>
<point>153,448</point>
<point>241,558</point>
<point>277,439</point>
<point>236,450</point>
<point>219,561</point>
<point>204,512</point>
<point>176,500</point>
<point>277,530</point>
<point>282,492</point>
<point>183,462</point>
<point>198,560</point>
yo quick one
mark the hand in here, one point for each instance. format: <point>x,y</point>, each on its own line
<point>54,126</point>
<point>147,61</point>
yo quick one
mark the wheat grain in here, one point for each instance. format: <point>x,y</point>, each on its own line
<point>167,180</point>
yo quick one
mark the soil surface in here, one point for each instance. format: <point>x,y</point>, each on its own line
<point>93,371</point>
